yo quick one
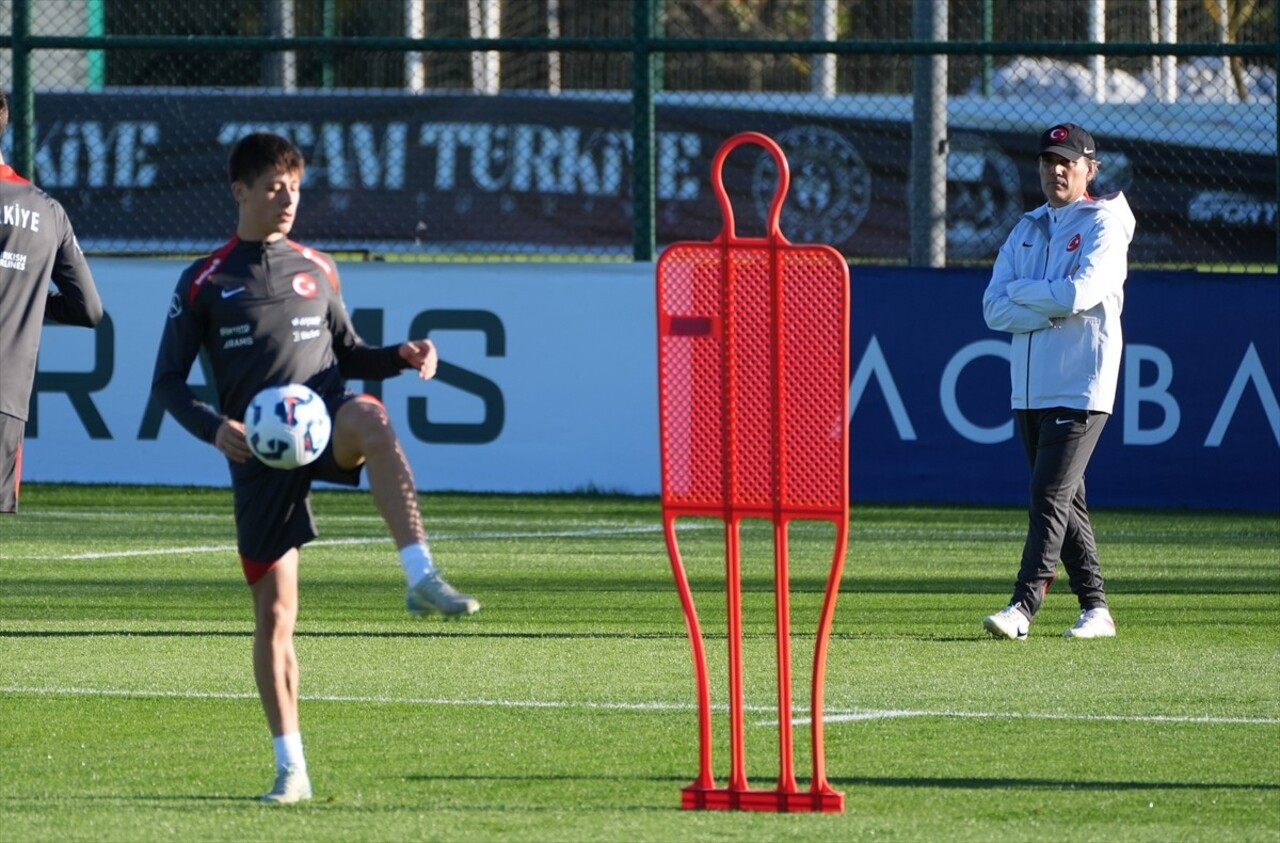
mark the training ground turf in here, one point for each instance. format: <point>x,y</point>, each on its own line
<point>564,710</point>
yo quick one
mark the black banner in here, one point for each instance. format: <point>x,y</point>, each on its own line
<point>532,172</point>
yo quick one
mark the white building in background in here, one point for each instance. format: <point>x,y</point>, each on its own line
<point>1203,79</point>
<point>57,69</point>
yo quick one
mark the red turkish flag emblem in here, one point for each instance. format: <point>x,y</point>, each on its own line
<point>305,286</point>
<point>1071,247</point>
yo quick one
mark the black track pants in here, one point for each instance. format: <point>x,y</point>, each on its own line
<point>1058,443</point>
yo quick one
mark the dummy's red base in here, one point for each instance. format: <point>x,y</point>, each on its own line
<point>826,801</point>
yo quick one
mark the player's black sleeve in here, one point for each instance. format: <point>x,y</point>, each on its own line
<point>75,300</point>
<point>179,346</point>
<point>357,361</point>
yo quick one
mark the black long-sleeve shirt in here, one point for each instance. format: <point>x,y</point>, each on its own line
<point>37,246</point>
<point>266,313</point>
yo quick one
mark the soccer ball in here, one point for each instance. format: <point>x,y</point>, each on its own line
<point>287,426</point>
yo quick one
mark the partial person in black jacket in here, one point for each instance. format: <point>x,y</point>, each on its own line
<point>269,311</point>
<point>37,246</point>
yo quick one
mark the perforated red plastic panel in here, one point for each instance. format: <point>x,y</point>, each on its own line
<point>815,385</point>
<point>753,367</point>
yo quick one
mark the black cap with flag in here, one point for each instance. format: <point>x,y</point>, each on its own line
<point>1068,140</point>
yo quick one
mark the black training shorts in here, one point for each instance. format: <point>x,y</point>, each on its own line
<point>273,506</point>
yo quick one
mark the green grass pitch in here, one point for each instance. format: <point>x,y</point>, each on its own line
<point>564,710</point>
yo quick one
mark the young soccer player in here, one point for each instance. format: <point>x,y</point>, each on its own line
<point>267,311</point>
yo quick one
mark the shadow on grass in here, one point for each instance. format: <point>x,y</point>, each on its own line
<point>407,634</point>
<point>140,797</point>
<point>322,590</point>
<point>963,783</point>
<point>675,635</point>
<point>546,777</point>
<point>932,782</point>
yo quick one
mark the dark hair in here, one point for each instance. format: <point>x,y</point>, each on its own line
<point>4,114</point>
<point>259,152</point>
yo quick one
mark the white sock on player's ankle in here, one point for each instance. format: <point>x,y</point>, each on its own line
<point>416,561</point>
<point>288,750</point>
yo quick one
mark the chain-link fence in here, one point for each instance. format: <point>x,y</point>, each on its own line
<point>553,129</point>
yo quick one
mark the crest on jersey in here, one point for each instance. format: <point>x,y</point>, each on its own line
<point>304,285</point>
<point>1074,244</point>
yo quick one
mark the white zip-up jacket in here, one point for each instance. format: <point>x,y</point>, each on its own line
<point>1061,296</point>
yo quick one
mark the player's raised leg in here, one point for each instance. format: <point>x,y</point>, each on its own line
<point>362,433</point>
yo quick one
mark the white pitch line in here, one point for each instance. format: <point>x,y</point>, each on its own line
<point>377,700</point>
<point>889,714</point>
<point>833,716</point>
<point>177,551</point>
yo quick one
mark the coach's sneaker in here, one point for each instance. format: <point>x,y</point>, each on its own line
<point>292,785</point>
<point>1009,623</point>
<point>1093,623</point>
<point>433,594</point>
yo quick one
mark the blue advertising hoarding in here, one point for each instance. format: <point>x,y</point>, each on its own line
<point>551,385</point>
<point>1196,421</point>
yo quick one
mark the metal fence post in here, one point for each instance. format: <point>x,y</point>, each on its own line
<point>929,138</point>
<point>22,111</point>
<point>642,154</point>
<point>280,69</point>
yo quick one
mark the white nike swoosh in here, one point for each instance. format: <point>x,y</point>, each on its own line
<point>1063,421</point>
<point>226,294</point>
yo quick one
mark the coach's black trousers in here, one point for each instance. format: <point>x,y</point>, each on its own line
<point>1058,443</point>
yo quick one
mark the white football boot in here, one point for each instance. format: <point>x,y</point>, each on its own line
<point>1093,623</point>
<point>292,785</point>
<point>1009,623</point>
<point>432,594</point>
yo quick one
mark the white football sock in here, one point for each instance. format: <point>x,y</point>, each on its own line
<point>416,561</point>
<point>288,749</point>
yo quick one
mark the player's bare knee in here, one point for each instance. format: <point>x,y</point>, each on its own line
<point>275,612</point>
<point>363,420</point>
<point>364,426</point>
<point>277,616</point>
